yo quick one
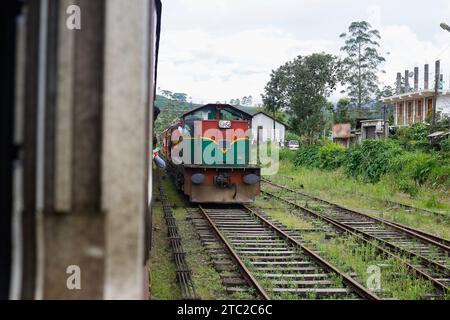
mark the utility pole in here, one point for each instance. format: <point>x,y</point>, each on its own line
<point>274,125</point>
<point>384,121</point>
<point>436,90</point>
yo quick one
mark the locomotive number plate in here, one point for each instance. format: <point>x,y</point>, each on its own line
<point>224,124</point>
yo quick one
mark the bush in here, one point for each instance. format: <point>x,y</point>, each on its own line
<point>307,156</point>
<point>286,154</point>
<point>414,169</point>
<point>445,146</point>
<point>414,165</point>
<point>371,159</point>
<point>414,137</point>
<point>330,156</point>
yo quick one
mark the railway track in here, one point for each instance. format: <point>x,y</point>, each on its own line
<point>183,271</point>
<point>392,203</point>
<point>271,260</point>
<point>233,278</point>
<point>424,254</point>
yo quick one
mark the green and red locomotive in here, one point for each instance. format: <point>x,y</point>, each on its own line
<point>208,154</point>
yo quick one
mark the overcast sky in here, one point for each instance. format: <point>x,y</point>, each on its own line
<point>216,50</point>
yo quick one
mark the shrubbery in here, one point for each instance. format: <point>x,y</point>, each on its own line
<point>286,154</point>
<point>307,156</point>
<point>373,159</point>
<point>414,137</point>
<point>330,156</point>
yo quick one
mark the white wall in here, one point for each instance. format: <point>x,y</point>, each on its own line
<point>443,105</point>
<point>267,123</point>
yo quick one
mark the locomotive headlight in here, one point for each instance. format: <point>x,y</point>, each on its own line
<point>251,179</point>
<point>197,178</point>
<point>224,124</point>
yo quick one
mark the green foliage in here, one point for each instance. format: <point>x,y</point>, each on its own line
<point>330,156</point>
<point>414,137</point>
<point>170,111</point>
<point>307,156</point>
<point>413,169</point>
<point>291,136</point>
<point>371,159</point>
<point>286,154</point>
<point>342,113</point>
<point>300,87</point>
<point>279,115</point>
<point>362,61</point>
<point>445,146</point>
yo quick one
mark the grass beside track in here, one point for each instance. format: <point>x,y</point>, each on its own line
<point>370,198</point>
<point>163,285</point>
<point>208,284</point>
<point>350,256</point>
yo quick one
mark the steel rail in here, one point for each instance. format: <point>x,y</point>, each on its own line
<point>183,271</point>
<point>358,234</point>
<point>422,233</point>
<point>441,243</point>
<point>251,280</point>
<point>392,202</point>
<point>354,285</point>
<point>411,207</point>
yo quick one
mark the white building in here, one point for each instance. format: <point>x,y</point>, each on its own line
<point>263,123</point>
<point>415,104</point>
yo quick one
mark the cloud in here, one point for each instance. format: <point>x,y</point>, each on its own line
<point>408,51</point>
<point>219,50</point>
<point>218,68</point>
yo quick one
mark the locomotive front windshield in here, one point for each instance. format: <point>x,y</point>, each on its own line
<point>207,113</point>
<point>231,114</point>
<point>211,113</point>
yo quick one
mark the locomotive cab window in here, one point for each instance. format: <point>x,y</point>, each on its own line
<point>231,114</point>
<point>202,114</point>
<point>228,114</point>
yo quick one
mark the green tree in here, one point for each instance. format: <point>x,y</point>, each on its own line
<point>167,94</point>
<point>381,93</point>
<point>360,66</point>
<point>279,115</point>
<point>342,112</point>
<point>300,88</point>
<point>180,97</point>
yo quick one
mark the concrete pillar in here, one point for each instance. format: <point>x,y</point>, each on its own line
<point>424,109</point>
<point>405,113</point>
<point>398,83</point>
<point>426,76</point>
<point>436,89</point>
<point>396,114</point>
<point>406,81</point>
<point>416,78</point>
